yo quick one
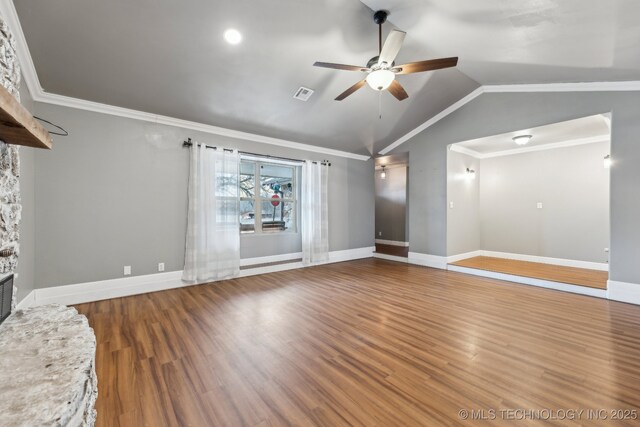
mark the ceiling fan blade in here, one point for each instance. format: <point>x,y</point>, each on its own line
<point>351,90</point>
<point>391,47</point>
<point>429,65</point>
<point>340,66</point>
<point>398,91</point>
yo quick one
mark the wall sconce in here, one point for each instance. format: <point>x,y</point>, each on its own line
<point>607,161</point>
<point>383,174</point>
<point>471,174</point>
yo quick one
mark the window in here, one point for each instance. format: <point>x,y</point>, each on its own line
<point>268,197</point>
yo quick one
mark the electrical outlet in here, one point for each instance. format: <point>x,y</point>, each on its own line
<point>379,233</point>
<point>127,270</point>
<point>161,266</point>
<point>450,205</point>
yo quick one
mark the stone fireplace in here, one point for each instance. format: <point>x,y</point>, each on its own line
<point>10,206</point>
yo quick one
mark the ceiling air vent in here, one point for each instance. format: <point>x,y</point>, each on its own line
<point>303,94</point>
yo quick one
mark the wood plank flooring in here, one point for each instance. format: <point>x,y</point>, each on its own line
<point>555,273</point>
<point>362,343</point>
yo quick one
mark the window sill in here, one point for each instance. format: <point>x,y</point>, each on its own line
<point>271,234</point>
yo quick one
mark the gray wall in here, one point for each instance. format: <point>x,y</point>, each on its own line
<point>463,220</point>
<point>391,204</point>
<point>114,193</point>
<point>26,261</point>
<point>496,113</point>
<point>573,187</point>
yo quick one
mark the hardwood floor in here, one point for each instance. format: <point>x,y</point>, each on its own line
<point>555,273</point>
<point>401,251</point>
<point>369,343</point>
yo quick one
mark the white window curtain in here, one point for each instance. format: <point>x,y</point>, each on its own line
<point>315,213</point>
<point>213,233</point>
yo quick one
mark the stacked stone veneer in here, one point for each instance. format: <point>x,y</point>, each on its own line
<point>10,207</point>
<point>47,368</point>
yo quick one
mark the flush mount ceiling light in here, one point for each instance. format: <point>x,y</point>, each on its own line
<point>522,139</point>
<point>383,174</point>
<point>232,36</point>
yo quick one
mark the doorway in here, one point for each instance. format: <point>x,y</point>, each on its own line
<point>391,209</point>
<point>533,204</point>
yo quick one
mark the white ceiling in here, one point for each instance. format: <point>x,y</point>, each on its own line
<point>169,58</point>
<point>592,128</point>
<point>526,41</point>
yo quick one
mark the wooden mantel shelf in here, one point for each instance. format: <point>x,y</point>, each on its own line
<point>17,125</point>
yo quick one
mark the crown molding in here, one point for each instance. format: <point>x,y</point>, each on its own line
<point>435,119</point>
<point>464,150</point>
<point>622,86</point>
<point>9,14</point>
<point>563,144</point>
<point>96,107</point>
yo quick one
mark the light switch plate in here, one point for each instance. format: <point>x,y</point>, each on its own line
<point>450,205</point>
<point>127,270</point>
<point>161,266</point>
<point>539,205</point>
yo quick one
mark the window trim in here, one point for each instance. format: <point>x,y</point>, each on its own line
<point>258,199</point>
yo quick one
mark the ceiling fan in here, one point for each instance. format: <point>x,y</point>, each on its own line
<point>381,70</point>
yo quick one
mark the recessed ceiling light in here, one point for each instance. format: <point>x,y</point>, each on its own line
<point>232,36</point>
<point>522,139</point>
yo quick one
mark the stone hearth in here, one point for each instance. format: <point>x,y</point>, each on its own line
<point>47,368</point>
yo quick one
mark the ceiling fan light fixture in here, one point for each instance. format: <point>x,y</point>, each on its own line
<point>380,79</point>
<point>522,139</point>
<point>382,70</point>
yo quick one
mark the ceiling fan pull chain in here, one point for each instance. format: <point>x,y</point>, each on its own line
<point>380,105</point>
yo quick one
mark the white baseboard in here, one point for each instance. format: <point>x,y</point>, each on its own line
<point>351,254</point>
<point>624,292</point>
<point>270,269</point>
<point>547,260</point>
<point>583,290</point>
<point>107,289</point>
<point>392,243</point>
<point>459,257</point>
<point>390,257</point>
<point>27,301</point>
<point>126,286</point>
<point>426,260</point>
<point>269,259</point>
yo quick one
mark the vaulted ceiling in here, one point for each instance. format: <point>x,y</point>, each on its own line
<point>167,57</point>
